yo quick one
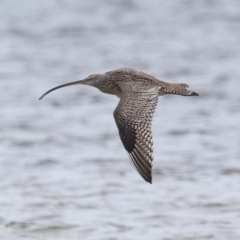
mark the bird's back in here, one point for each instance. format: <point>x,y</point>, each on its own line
<point>136,77</point>
<point>130,73</point>
<point>143,81</point>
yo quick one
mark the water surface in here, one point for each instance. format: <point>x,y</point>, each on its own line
<point>63,171</point>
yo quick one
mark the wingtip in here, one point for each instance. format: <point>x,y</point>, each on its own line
<point>149,180</point>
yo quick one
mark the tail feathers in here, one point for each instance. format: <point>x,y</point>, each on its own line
<point>178,89</point>
<point>194,94</point>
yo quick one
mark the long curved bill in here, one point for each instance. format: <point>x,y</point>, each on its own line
<point>61,86</point>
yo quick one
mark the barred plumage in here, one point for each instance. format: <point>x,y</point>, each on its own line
<point>138,93</point>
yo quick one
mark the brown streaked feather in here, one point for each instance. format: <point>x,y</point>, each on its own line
<point>178,89</point>
<point>133,117</point>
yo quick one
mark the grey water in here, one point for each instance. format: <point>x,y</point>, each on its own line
<point>64,173</point>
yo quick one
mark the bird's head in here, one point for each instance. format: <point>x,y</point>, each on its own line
<point>91,80</point>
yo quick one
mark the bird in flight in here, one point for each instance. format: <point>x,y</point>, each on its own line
<point>138,93</point>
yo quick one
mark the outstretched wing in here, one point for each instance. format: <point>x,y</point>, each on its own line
<point>133,117</point>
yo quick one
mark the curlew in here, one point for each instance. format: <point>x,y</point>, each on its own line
<point>138,93</point>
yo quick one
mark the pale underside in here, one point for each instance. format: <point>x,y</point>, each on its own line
<point>133,117</point>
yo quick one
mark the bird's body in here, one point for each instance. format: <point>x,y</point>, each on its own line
<point>138,93</point>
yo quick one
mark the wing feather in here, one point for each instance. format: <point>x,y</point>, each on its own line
<point>133,117</point>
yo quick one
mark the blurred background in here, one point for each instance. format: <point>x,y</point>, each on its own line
<point>64,173</point>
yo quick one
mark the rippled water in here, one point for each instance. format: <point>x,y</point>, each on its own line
<point>63,171</point>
